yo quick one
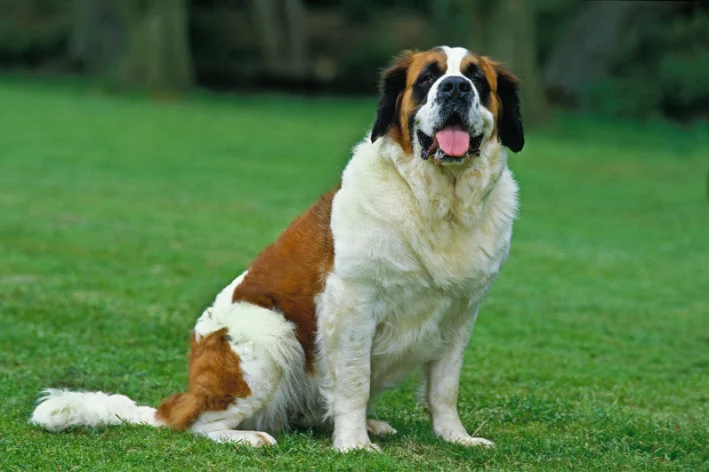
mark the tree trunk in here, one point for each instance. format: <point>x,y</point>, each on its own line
<point>586,48</point>
<point>505,31</point>
<point>297,29</point>
<point>478,13</point>
<point>266,16</point>
<point>99,35</point>
<point>511,39</point>
<point>134,43</point>
<point>283,55</point>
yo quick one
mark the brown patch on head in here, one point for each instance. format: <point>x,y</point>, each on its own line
<point>397,104</point>
<point>407,104</point>
<point>392,84</point>
<point>489,69</point>
<point>288,274</point>
<point>215,382</point>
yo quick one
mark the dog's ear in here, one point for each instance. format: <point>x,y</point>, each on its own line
<point>392,84</point>
<point>509,120</point>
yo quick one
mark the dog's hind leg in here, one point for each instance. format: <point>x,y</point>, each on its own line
<point>246,371</point>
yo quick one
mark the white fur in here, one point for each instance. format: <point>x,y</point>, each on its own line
<point>417,247</point>
<point>60,409</point>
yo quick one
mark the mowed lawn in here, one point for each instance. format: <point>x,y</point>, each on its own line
<point>121,218</point>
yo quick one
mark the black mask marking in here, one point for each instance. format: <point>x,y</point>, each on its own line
<point>475,73</point>
<point>424,82</point>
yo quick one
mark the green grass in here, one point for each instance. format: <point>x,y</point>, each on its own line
<point>121,218</point>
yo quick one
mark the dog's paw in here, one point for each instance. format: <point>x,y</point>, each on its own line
<point>471,441</point>
<point>466,440</point>
<point>249,438</point>
<point>380,428</point>
<point>357,446</point>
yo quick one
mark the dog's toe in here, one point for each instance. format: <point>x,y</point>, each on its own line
<point>471,441</point>
<point>250,438</point>
<point>380,428</point>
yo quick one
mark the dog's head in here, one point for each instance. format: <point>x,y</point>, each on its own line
<point>448,104</point>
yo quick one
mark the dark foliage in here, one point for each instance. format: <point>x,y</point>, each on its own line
<point>658,68</point>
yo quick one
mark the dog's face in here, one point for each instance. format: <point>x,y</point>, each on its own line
<point>449,105</point>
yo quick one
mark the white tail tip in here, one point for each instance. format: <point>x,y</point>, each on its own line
<point>60,409</point>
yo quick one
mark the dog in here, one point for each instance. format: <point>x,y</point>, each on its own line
<point>382,275</point>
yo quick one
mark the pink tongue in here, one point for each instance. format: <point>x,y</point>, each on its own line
<point>453,141</point>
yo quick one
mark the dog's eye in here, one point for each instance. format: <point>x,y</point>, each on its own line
<point>476,75</point>
<point>426,79</point>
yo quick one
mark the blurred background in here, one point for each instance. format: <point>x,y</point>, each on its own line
<point>618,58</point>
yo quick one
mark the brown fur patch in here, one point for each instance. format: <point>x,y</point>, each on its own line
<point>288,274</point>
<point>215,382</point>
<point>415,63</point>
<point>490,68</point>
<point>420,60</point>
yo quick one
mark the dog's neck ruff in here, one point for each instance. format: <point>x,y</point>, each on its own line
<point>456,193</point>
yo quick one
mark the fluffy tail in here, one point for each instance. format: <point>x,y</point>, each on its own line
<point>60,409</point>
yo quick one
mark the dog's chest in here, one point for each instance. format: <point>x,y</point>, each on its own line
<point>411,331</point>
<point>418,256</point>
<point>411,255</point>
<point>451,257</point>
<point>427,276</point>
<point>437,279</point>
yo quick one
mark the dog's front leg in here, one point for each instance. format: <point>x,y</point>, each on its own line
<point>442,380</point>
<point>346,330</point>
<point>351,387</point>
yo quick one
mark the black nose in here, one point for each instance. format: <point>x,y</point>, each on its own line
<point>455,87</point>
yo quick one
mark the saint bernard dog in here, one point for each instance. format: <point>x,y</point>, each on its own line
<point>382,275</point>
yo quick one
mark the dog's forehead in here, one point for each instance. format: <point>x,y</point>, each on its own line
<point>457,59</point>
<point>451,61</point>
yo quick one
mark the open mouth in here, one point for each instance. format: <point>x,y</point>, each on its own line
<point>450,142</point>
